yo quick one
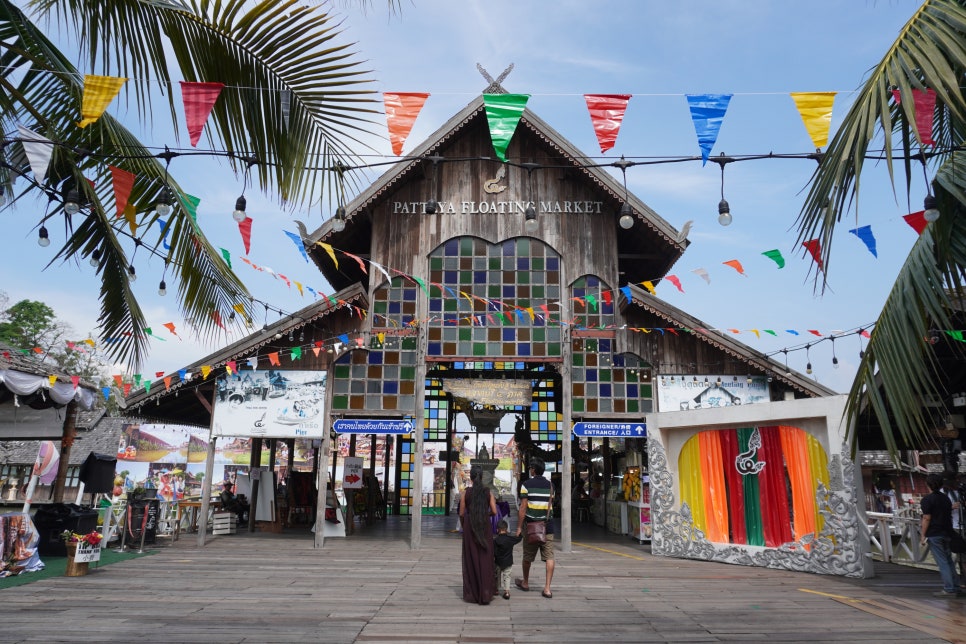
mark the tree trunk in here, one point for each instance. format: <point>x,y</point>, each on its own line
<point>66,442</point>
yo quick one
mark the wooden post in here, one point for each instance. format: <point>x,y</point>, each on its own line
<point>255,461</point>
<point>66,443</point>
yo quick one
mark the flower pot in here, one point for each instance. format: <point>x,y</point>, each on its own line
<point>74,569</point>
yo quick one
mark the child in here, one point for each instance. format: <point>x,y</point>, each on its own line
<point>503,554</point>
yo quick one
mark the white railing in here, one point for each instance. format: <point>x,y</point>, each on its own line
<point>895,538</point>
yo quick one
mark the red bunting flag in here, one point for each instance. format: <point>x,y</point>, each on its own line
<point>917,220</point>
<point>75,380</point>
<point>924,108</point>
<point>158,374</point>
<point>127,388</point>
<point>402,108</point>
<point>606,114</point>
<point>674,280</point>
<point>123,185</point>
<point>198,99</point>
<point>815,332</point>
<point>216,316</point>
<point>245,228</point>
<point>815,250</point>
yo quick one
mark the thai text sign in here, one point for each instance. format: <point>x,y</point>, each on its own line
<point>499,393</point>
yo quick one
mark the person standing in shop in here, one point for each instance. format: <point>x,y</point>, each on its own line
<point>936,529</point>
<point>536,498</point>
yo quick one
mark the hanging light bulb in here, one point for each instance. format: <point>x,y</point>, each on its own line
<point>131,274</point>
<point>808,368</point>
<point>162,289</point>
<point>338,222</point>
<point>431,207</point>
<point>42,239</point>
<point>749,379</point>
<point>835,360</point>
<point>724,213</point>
<point>239,214</point>
<point>930,211</point>
<point>95,260</point>
<point>72,202</point>
<point>163,204</point>
<point>627,216</point>
<point>530,222</point>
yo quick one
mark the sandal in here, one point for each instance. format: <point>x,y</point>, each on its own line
<point>506,594</point>
<point>519,584</point>
<point>547,594</point>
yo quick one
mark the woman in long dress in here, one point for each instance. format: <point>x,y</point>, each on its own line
<point>477,505</point>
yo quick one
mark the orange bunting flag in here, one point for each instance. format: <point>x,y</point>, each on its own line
<point>815,108</point>
<point>402,108</point>
<point>167,382</point>
<point>917,220</point>
<point>815,250</point>
<point>606,114</point>
<point>273,359</point>
<point>735,264</point>
<point>123,185</point>
<point>99,91</point>
<point>117,380</point>
<point>170,327</point>
<point>38,350</point>
<point>198,99</point>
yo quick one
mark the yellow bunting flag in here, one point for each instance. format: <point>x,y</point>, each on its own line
<point>205,370</point>
<point>815,109</point>
<point>331,251</point>
<point>53,380</point>
<point>130,214</point>
<point>649,286</point>
<point>99,91</point>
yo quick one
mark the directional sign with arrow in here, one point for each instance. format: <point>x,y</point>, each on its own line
<point>611,430</point>
<point>372,426</point>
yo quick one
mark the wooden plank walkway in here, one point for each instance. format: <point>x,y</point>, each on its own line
<point>372,588</point>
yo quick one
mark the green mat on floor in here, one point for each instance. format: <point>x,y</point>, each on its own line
<point>57,566</point>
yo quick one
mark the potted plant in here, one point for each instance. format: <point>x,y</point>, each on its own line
<point>72,540</point>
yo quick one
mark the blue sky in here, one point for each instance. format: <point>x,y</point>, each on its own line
<point>758,50</point>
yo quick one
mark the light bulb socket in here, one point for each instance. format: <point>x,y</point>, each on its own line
<point>338,221</point>
<point>808,368</point>
<point>95,260</point>
<point>530,219</point>
<point>72,202</point>
<point>131,273</point>
<point>239,214</point>
<point>42,239</point>
<point>626,220</point>
<point>163,204</point>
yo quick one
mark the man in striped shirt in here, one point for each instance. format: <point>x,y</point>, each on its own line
<point>536,498</point>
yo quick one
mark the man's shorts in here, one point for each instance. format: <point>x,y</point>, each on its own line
<point>545,550</point>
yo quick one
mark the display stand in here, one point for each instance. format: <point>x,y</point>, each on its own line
<point>639,512</point>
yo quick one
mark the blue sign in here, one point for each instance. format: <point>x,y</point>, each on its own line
<point>611,430</point>
<point>372,426</point>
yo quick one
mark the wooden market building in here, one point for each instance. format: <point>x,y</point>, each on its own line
<point>491,288</point>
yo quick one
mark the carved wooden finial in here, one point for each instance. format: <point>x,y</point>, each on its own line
<point>494,86</point>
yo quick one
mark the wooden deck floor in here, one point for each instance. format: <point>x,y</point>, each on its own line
<point>372,588</point>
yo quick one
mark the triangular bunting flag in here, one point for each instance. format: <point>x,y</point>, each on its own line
<point>99,91</point>
<point>815,108</point>
<point>190,203</point>
<point>245,228</point>
<point>198,99</point>
<point>815,250</point>
<point>38,150</point>
<point>775,255</point>
<point>205,371</point>
<point>674,280</point>
<point>917,220</point>
<point>503,112</point>
<point>273,359</point>
<point>924,107</point>
<point>402,108</point>
<point>331,252</point>
<point>297,240</point>
<point>735,264</point>
<point>227,256</point>
<point>703,274</point>
<point>123,185</point>
<point>649,285</point>
<point>865,234</point>
<point>606,114</point>
<point>707,113</point>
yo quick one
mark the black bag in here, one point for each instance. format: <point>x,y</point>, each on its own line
<point>956,543</point>
<point>536,532</point>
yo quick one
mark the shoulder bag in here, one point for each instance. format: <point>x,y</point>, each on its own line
<point>537,530</point>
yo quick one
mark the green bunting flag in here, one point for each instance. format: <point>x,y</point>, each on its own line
<point>503,112</point>
<point>227,256</point>
<point>190,203</point>
<point>775,256</point>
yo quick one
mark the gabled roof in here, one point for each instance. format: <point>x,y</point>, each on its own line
<point>677,318</point>
<point>157,401</point>
<point>354,237</point>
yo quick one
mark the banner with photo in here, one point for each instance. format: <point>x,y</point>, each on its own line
<point>679,393</point>
<point>270,404</point>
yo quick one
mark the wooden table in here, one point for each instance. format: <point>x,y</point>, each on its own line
<point>194,507</point>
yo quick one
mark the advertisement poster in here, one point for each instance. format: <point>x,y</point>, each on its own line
<point>679,393</point>
<point>171,459</point>
<point>270,404</point>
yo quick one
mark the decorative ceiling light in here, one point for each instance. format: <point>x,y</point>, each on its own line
<point>42,239</point>
<point>72,201</point>
<point>626,220</point>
